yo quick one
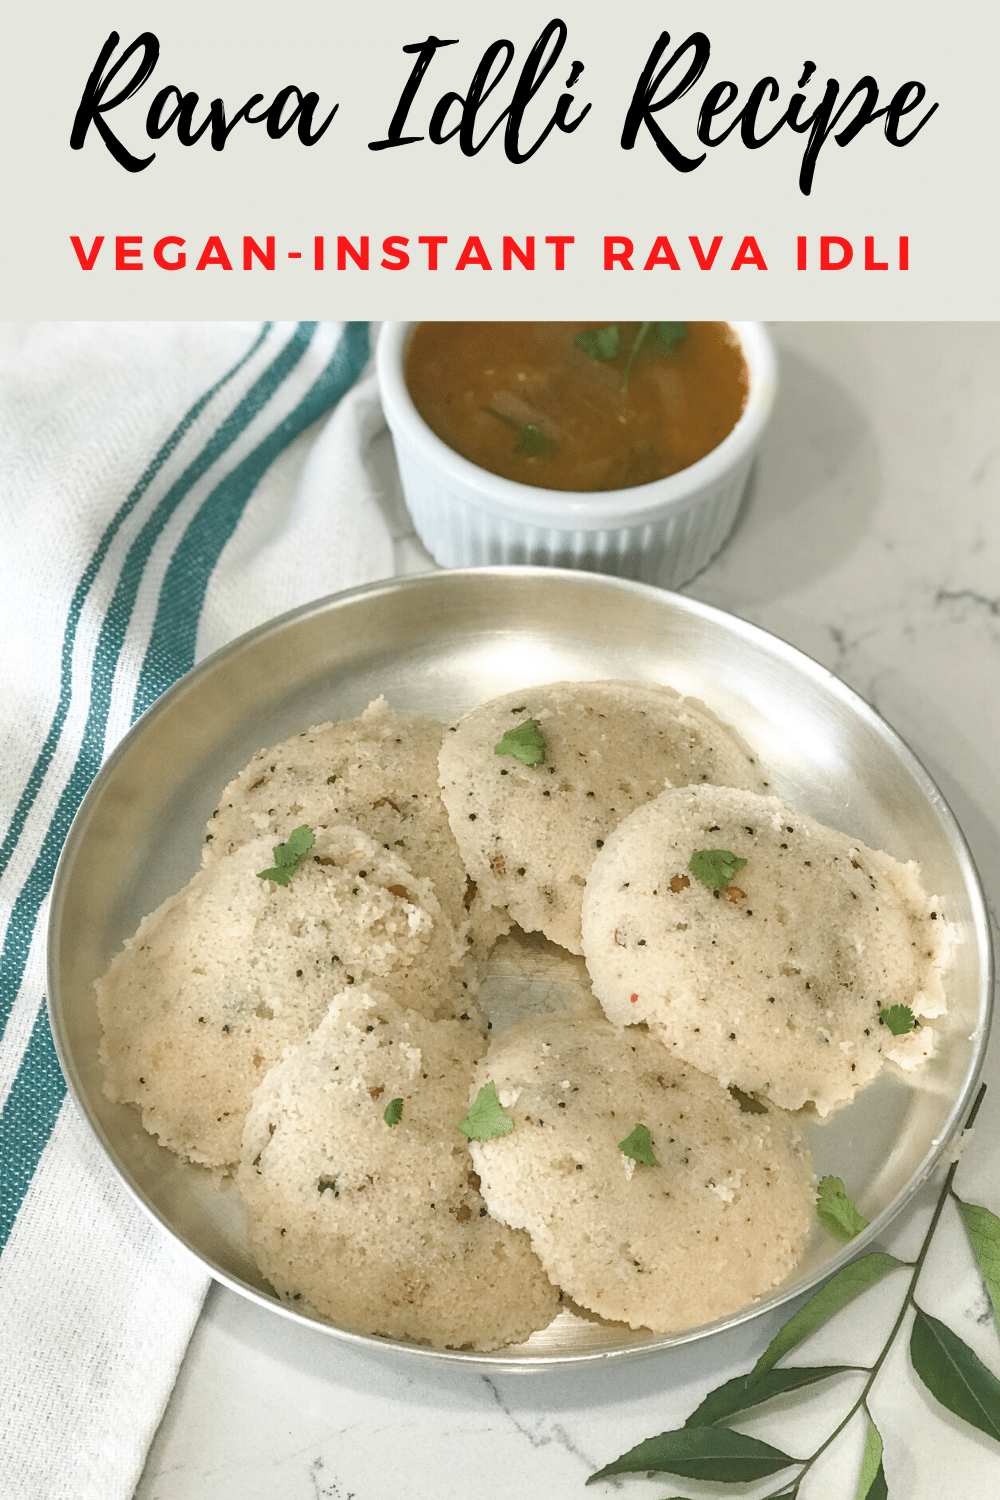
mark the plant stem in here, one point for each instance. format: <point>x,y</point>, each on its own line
<point>501,417</point>
<point>643,330</point>
<point>908,1302</point>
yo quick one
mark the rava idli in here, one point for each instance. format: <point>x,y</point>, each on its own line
<point>719,1220</point>
<point>529,829</point>
<point>233,969</point>
<point>378,772</point>
<point>779,973</point>
<point>380,1227</point>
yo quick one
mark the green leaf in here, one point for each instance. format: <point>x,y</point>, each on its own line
<point>526,742</point>
<point>715,867</point>
<point>486,1117</point>
<point>879,1490</point>
<point>899,1019</point>
<point>824,1304</point>
<point>701,1453</point>
<point>639,1146</point>
<point>871,1462</point>
<point>983,1229</point>
<point>954,1374</point>
<point>600,343</point>
<point>289,855</point>
<point>750,1390</point>
<point>835,1210</point>
<point>295,848</point>
<point>671,334</point>
<point>530,437</point>
<point>782,1494</point>
<point>393,1112</point>
<point>532,441</point>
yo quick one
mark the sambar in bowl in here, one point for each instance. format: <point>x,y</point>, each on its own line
<point>579,406</point>
<point>618,448</point>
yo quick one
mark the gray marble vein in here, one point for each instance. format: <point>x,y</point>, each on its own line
<point>871,540</point>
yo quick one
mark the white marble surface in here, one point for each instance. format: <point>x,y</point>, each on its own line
<point>871,540</point>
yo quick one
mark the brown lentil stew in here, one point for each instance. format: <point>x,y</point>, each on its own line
<point>523,400</point>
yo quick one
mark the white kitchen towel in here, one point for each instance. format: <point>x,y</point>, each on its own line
<point>163,487</point>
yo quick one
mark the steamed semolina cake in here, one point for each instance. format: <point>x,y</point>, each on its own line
<point>226,974</point>
<point>719,1221</point>
<point>775,981</point>
<point>529,832</point>
<point>378,772</point>
<point>377,1227</point>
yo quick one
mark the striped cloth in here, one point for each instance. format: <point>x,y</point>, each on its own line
<point>164,488</point>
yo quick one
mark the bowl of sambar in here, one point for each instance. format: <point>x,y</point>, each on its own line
<point>617,448</point>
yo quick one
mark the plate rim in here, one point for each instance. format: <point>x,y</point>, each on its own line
<point>552,577</point>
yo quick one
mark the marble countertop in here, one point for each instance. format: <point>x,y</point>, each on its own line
<point>870,540</point>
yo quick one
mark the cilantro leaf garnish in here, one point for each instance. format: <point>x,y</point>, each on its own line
<point>289,855</point>
<point>605,343</point>
<point>835,1210</point>
<point>486,1117</point>
<point>899,1019</point>
<point>638,1146</point>
<point>671,334</point>
<point>600,343</point>
<point>393,1112</point>
<point>526,743</point>
<point>715,867</point>
<point>531,439</point>
<point>706,1449</point>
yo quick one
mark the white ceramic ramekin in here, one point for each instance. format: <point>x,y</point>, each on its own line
<point>664,532</point>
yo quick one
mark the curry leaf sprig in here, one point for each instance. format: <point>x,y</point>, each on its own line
<point>708,1450</point>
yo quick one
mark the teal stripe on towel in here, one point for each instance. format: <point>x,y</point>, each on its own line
<point>14,955</point>
<point>28,1120</point>
<point>44,760</point>
<point>33,1104</point>
<point>171,648</point>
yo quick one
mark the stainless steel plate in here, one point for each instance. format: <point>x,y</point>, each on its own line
<point>442,643</point>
